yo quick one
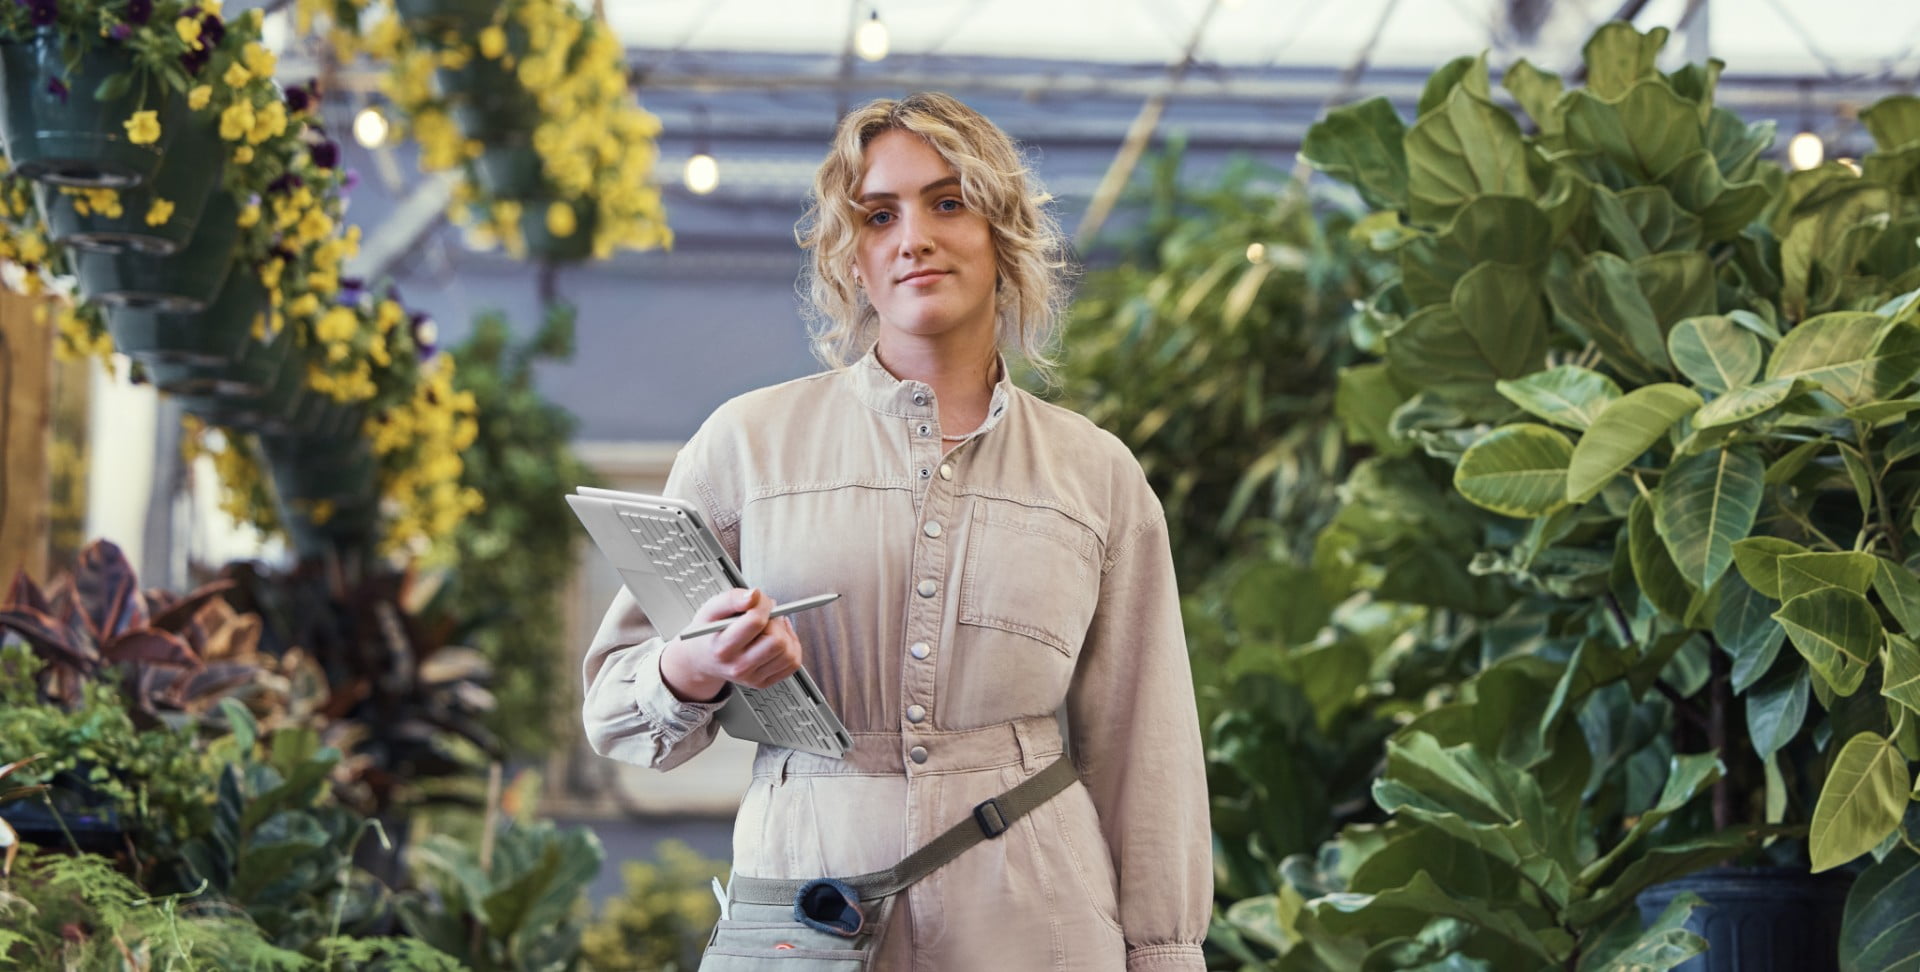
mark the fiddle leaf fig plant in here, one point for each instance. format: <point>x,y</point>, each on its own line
<point>1674,383</point>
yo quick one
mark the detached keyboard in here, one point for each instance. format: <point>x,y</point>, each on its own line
<point>679,560</point>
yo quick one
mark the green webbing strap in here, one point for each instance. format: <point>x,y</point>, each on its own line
<point>990,819</point>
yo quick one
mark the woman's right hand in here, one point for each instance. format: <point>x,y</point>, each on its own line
<point>752,650</point>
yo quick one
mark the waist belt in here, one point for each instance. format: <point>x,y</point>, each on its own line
<point>990,819</point>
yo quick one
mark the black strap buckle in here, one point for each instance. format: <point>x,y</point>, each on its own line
<point>992,818</point>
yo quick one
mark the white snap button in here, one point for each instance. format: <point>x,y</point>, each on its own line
<point>928,588</point>
<point>916,713</point>
<point>925,473</point>
<point>918,754</point>
<point>931,529</point>
<point>919,649</point>
<point>919,399</point>
<point>946,470</point>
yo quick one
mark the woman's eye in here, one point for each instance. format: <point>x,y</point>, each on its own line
<point>947,205</point>
<point>880,218</point>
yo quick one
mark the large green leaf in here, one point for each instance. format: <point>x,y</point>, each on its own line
<point>1677,286</point>
<point>1688,776</point>
<point>1467,70</point>
<point>1516,470</point>
<point>1716,353</point>
<point>1862,802</point>
<point>1724,208</point>
<point>1893,121</point>
<point>1665,945</point>
<point>1362,145</point>
<point>1856,357</point>
<point>1499,305</point>
<point>1623,430</point>
<point>1744,403</point>
<point>1851,570</point>
<point>1706,504</point>
<point>1743,623</point>
<point>1466,148</point>
<point>1646,131</point>
<point>1434,350</point>
<point>1837,632</point>
<point>1776,708</point>
<point>1490,229</point>
<point>1661,224</point>
<point>1618,57</point>
<point>1899,590</point>
<point>1903,673</point>
<point>1535,90</point>
<point>1881,931</point>
<point>1364,400</point>
<point>1654,571</point>
<point>1407,909</point>
<point>1602,302</point>
<point>1823,232</point>
<point>1566,395</point>
<point>1759,561</point>
<point>1655,866</point>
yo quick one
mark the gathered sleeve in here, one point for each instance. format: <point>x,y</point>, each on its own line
<point>1135,736</point>
<point>629,712</point>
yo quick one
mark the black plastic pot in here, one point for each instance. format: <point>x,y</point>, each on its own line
<point>188,177</point>
<point>1759,919</point>
<point>183,283</point>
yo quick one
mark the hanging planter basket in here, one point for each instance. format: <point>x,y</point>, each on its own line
<point>71,139</point>
<point>488,103</point>
<point>324,489</point>
<point>543,244</point>
<point>188,178</point>
<point>509,171</point>
<point>186,282</point>
<point>439,16</point>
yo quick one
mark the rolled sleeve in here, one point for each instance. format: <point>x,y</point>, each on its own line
<point>1136,743</point>
<point>629,712</point>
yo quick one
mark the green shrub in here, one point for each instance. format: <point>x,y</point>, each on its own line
<point>660,923</point>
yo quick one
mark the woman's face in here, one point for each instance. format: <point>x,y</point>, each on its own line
<point>925,260</point>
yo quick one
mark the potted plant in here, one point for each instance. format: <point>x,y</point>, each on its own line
<point>1676,380</point>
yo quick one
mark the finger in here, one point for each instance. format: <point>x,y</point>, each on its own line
<point>734,641</point>
<point>768,656</point>
<point>772,671</point>
<point>725,604</point>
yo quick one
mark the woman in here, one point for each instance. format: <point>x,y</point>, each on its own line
<point>1000,559</point>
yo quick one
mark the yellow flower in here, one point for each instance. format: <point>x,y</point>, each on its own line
<point>159,212</point>
<point>315,225</point>
<point>242,156</point>
<point>270,274</point>
<point>236,121</point>
<point>197,98</point>
<point>189,28</point>
<point>305,305</point>
<point>560,220</point>
<point>259,60</point>
<point>237,75</point>
<point>338,324</point>
<point>493,42</point>
<point>251,214</point>
<point>143,128</point>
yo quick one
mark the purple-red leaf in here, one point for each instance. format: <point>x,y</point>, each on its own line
<point>25,593</point>
<point>152,647</point>
<point>51,639</point>
<point>109,593</point>
<point>180,614</point>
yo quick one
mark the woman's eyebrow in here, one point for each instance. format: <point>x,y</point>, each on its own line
<point>929,187</point>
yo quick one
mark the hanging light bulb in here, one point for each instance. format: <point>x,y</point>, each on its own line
<point>370,127</point>
<point>1805,150</point>
<point>702,173</point>
<point>1256,252</point>
<point>870,41</point>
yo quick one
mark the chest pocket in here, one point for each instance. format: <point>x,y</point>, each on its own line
<point>1030,571</point>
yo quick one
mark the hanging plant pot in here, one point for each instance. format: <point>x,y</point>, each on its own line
<point>488,102</point>
<point>1759,919</point>
<point>187,179</point>
<point>509,171</point>
<point>185,282</point>
<point>324,489</point>
<point>544,244</point>
<point>256,393</point>
<point>438,16</point>
<point>56,131</point>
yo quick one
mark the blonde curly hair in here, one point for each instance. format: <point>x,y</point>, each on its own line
<point>995,181</point>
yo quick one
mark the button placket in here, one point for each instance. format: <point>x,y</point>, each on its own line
<point>929,574</point>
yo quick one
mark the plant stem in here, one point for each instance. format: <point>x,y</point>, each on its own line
<point>1880,497</point>
<point>1719,701</point>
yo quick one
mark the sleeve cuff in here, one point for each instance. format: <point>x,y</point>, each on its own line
<point>1166,958</point>
<point>672,717</point>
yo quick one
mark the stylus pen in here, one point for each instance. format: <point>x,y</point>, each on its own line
<point>779,611</point>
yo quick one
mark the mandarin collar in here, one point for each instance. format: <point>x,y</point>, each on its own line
<point>881,391</point>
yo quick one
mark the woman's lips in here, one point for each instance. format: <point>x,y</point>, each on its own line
<point>925,279</point>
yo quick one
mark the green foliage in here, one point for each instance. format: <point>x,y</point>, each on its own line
<point>514,906</point>
<point>1728,355</point>
<point>1217,364</point>
<point>514,557</point>
<point>661,920</point>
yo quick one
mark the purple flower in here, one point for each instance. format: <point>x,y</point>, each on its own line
<point>425,335</point>
<point>138,11</point>
<point>352,179</point>
<point>58,89</point>
<point>121,32</point>
<point>301,97</point>
<point>286,183</point>
<point>44,12</point>
<point>212,31</point>
<point>196,61</point>
<point>326,155</point>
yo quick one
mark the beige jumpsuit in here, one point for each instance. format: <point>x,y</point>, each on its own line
<point>983,590</point>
